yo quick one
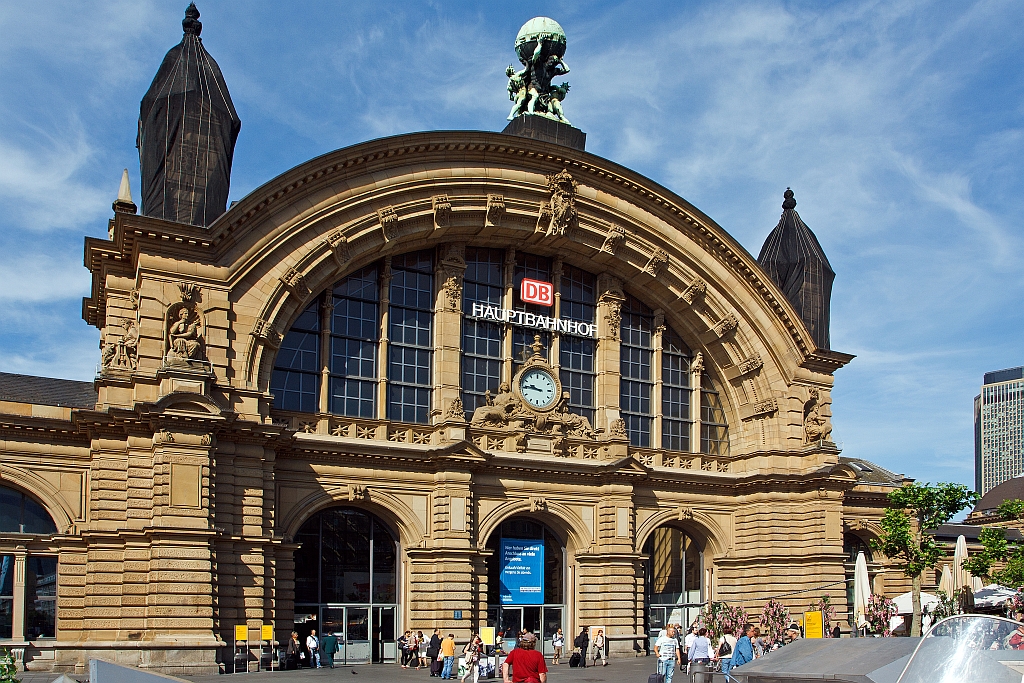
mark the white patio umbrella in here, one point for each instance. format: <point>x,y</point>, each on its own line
<point>861,590</point>
<point>976,584</point>
<point>946,582</point>
<point>961,577</point>
<point>905,603</point>
<point>993,595</point>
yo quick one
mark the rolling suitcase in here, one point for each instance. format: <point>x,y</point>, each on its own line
<point>656,678</point>
<point>575,660</point>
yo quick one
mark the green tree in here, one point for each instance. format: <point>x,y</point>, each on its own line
<point>8,669</point>
<point>997,549</point>
<point>914,511</point>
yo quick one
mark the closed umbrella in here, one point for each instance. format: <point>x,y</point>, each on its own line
<point>946,582</point>
<point>961,577</point>
<point>861,590</point>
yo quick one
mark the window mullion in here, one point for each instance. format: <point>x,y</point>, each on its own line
<point>382,349</point>
<point>326,311</point>
<point>658,335</point>
<point>696,370</point>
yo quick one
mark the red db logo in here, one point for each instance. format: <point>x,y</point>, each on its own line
<point>537,292</point>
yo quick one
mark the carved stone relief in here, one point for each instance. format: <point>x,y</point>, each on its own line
<point>265,331</point>
<point>611,298</point>
<point>452,267</point>
<point>693,290</point>
<point>614,239</point>
<point>617,429</point>
<point>725,325</point>
<point>388,219</point>
<point>455,410</point>
<point>765,407</point>
<point>295,283</point>
<point>750,363</point>
<point>442,210</point>
<point>697,366</point>
<point>560,215</point>
<point>185,328</point>
<point>656,264</point>
<point>498,411</point>
<point>495,208</point>
<point>817,425</point>
<point>122,352</point>
<point>337,243</point>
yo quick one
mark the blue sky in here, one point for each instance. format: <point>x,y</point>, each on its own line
<point>898,125</point>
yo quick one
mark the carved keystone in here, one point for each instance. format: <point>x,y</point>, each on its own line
<point>538,504</point>
<point>357,492</point>
<point>684,513</point>
<point>388,218</point>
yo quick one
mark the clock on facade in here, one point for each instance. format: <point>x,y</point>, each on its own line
<point>538,387</point>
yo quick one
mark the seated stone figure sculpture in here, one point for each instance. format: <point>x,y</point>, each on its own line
<point>498,411</point>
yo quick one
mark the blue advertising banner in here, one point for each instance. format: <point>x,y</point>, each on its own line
<point>522,571</point>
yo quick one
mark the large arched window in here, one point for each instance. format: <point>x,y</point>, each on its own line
<point>20,514</point>
<point>482,340</point>
<point>411,342</point>
<point>636,355</point>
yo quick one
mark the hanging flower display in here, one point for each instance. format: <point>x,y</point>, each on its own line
<point>716,616</point>
<point>828,612</point>
<point>774,619</point>
<point>879,614</point>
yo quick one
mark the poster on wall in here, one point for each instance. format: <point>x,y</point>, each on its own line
<point>522,571</point>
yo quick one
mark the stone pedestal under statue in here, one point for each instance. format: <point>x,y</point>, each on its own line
<point>549,130</point>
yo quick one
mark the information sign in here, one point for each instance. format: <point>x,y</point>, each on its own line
<point>267,632</point>
<point>457,614</point>
<point>242,633</point>
<point>814,625</point>
<point>522,571</point>
<point>487,635</point>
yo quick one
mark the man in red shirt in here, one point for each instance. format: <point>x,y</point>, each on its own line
<point>526,664</point>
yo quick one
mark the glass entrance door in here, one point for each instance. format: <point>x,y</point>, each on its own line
<point>532,618</point>
<point>351,625</point>
<point>384,646</point>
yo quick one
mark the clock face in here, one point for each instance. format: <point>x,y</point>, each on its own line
<point>538,387</point>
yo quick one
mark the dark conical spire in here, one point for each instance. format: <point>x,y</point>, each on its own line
<point>187,132</point>
<point>795,261</point>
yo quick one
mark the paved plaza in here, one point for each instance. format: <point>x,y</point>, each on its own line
<point>620,670</point>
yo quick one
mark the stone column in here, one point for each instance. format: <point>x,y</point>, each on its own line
<point>609,320</point>
<point>448,328</point>
<point>18,625</point>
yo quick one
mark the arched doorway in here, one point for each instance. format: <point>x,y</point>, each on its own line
<point>526,578</point>
<point>673,580</point>
<point>346,582</point>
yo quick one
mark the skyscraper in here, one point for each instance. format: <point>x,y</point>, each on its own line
<point>999,429</point>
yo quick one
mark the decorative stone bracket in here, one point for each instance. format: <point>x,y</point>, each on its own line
<point>693,290</point>
<point>760,409</point>
<point>337,244</point>
<point>388,219</point>
<point>295,282</point>
<point>614,239</point>
<point>744,367</point>
<point>265,331</point>
<point>495,209</point>
<point>657,263</point>
<point>442,210</point>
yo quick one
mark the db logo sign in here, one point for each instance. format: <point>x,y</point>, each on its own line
<point>537,292</point>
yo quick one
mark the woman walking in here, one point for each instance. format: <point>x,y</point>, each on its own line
<point>472,654</point>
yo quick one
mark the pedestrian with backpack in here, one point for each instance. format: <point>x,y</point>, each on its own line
<point>666,649</point>
<point>582,643</point>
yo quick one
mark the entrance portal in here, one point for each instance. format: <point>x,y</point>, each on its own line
<point>346,584</point>
<point>526,581</point>
<point>674,580</point>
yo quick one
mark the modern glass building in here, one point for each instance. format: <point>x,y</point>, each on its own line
<point>999,429</point>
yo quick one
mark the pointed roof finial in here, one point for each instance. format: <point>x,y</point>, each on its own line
<point>124,203</point>
<point>788,202</point>
<point>191,23</point>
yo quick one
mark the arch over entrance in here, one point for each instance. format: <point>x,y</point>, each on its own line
<point>346,583</point>
<point>526,580</point>
<point>673,579</point>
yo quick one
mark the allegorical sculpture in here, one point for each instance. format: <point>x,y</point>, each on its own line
<point>540,47</point>
<point>187,132</point>
<point>185,329</point>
